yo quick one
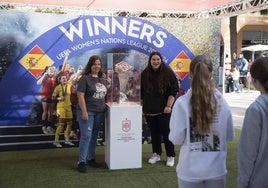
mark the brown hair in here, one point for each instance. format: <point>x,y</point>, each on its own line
<point>163,78</point>
<point>203,102</point>
<point>259,71</point>
<point>90,63</point>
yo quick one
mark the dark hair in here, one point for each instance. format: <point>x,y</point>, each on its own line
<point>259,71</point>
<point>203,102</point>
<point>90,63</point>
<point>163,78</point>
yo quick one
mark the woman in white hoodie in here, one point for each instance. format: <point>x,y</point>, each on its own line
<point>201,122</point>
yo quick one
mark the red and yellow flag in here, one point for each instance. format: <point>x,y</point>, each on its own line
<point>181,64</point>
<point>35,61</point>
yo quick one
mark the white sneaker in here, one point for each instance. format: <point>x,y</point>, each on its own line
<point>50,130</point>
<point>68,142</point>
<point>170,161</point>
<point>44,129</point>
<point>154,158</point>
<point>57,144</point>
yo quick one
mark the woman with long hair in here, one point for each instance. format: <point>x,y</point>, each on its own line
<point>159,87</point>
<point>91,93</point>
<point>201,121</point>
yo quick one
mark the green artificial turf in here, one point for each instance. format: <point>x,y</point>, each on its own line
<point>56,168</point>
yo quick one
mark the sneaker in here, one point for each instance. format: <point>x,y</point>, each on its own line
<point>93,163</point>
<point>57,144</point>
<point>170,161</point>
<point>81,167</point>
<point>44,129</point>
<point>68,142</point>
<point>50,130</point>
<point>155,157</point>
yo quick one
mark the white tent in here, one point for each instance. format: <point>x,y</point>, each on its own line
<point>255,48</point>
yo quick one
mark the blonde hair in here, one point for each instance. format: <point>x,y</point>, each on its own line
<point>203,102</point>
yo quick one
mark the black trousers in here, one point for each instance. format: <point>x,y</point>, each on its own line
<point>159,127</point>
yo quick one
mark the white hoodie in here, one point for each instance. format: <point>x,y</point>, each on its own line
<point>201,157</point>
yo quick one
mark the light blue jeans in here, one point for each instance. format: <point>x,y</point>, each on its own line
<point>89,130</point>
<point>235,85</point>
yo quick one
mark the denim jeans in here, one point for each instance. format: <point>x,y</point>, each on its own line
<point>236,87</point>
<point>89,130</point>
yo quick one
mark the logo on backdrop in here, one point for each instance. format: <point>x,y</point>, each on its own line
<point>79,36</point>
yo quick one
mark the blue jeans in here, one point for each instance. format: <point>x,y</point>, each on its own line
<point>89,130</point>
<point>235,85</point>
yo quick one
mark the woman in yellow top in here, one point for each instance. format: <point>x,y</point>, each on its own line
<point>62,93</point>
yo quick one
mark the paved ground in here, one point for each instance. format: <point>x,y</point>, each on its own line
<point>239,103</point>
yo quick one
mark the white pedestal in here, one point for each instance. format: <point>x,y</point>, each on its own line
<point>123,136</point>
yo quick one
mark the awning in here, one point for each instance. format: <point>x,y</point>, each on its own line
<point>255,48</point>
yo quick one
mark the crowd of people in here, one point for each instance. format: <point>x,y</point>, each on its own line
<point>238,77</point>
<point>59,101</point>
<point>199,120</point>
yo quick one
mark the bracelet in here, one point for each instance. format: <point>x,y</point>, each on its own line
<point>168,107</point>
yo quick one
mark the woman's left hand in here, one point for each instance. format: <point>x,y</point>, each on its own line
<point>167,110</point>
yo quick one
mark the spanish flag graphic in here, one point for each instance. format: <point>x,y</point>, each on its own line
<point>181,64</point>
<point>35,61</point>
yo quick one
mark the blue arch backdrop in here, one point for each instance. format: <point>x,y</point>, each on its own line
<point>80,36</point>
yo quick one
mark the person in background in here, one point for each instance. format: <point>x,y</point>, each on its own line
<point>201,121</point>
<point>159,87</point>
<point>248,74</point>
<point>113,94</point>
<point>62,93</point>
<point>235,74</point>
<point>242,65</point>
<point>229,81</point>
<point>74,78</point>
<point>49,82</point>
<point>91,93</point>
<point>253,146</point>
<point>133,86</point>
